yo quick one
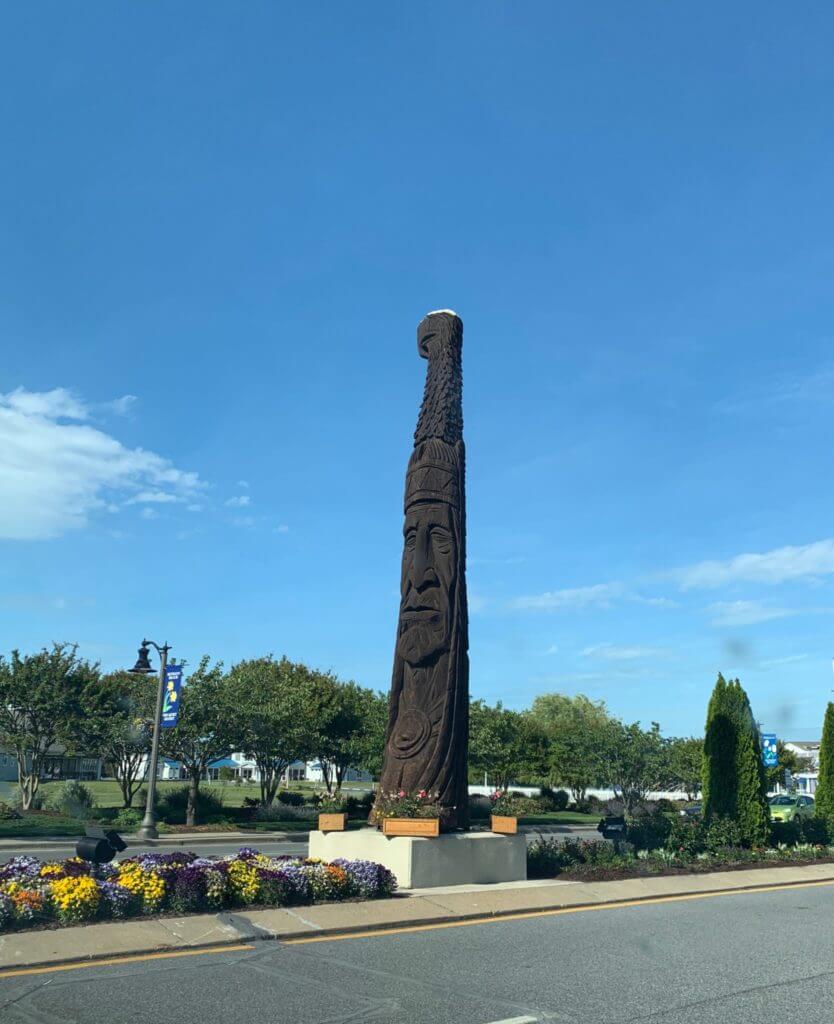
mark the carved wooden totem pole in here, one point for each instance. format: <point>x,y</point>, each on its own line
<point>428,724</point>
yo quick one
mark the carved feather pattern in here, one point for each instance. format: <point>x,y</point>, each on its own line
<point>440,339</point>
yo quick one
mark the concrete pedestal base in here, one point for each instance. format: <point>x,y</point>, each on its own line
<point>459,858</point>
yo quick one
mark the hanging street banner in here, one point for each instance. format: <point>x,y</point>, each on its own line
<point>171,697</point>
<point>770,758</point>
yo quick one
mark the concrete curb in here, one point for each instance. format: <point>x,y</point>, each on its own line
<point>110,941</point>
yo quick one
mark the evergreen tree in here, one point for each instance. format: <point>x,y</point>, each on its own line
<point>718,783</point>
<point>753,813</point>
<point>824,796</point>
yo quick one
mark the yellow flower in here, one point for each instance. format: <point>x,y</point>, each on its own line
<point>244,882</point>
<point>146,885</point>
<point>75,899</point>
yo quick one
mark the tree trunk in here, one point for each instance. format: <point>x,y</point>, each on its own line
<point>325,771</point>
<point>193,794</point>
<point>24,781</point>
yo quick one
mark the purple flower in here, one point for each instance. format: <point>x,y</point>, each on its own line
<point>368,879</point>
<point>117,901</point>
<point>188,888</point>
<point>19,868</point>
<point>297,881</point>
<point>247,853</point>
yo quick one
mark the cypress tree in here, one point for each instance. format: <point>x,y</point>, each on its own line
<point>824,796</point>
<point>718,786</point>
<point>753,813</point>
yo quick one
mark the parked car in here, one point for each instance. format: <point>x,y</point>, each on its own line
<point>789,808</point>
<point>691,811</point>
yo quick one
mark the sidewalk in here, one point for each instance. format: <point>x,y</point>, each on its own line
<point>441,907</point>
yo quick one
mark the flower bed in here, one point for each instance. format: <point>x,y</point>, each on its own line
<point>34,893</point>
<point>594,860</point>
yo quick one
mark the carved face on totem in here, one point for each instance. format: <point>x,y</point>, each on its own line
<point>427,587</point>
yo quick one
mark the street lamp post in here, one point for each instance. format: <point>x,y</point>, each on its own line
<point>147,830</point>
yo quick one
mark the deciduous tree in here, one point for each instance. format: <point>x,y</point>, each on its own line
<point>575,727</point>
<point>39,706</point>
<point>117,711</point>
<point>685,763</point>
<point>267,716</point>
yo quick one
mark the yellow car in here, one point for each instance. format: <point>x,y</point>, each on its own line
<point>791,808</point>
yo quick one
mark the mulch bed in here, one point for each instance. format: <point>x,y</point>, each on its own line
<point>604,873</point>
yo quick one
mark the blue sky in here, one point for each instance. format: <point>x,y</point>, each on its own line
<point>221,225</point>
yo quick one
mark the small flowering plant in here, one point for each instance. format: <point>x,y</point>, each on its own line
<point>503,804</point>
<point>331,803</point>
<point>401,804</point>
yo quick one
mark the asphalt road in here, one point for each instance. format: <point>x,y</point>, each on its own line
<point>272,847</point>
<point>721,960</point>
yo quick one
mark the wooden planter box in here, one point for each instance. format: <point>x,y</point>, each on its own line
<point>332,822</point>
<point>427,828</point>
<point>503,825</point>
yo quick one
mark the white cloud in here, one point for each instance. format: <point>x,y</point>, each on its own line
<point>283,528</point>
<point>244,484</point>
<point>612,652</point>
<point>154,497</point>
<point>55,474</point>
<point>121,406</point>
<point>240,501</point>
<point>57,404</point>
<point>148,513</point>
<point>654,602</point>
<point>788,659</point>
<point>244,521</point>
<point>777,566</point>
<point>600,595</point>
<point>553,649</point>
<point>745,613</point>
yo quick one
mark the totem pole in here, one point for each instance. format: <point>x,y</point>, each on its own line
<point>428,725</point>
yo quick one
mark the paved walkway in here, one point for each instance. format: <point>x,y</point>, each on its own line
<point>426,907</point>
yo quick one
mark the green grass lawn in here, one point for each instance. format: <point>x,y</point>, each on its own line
<point>107,793</point>
<point>39,824</point>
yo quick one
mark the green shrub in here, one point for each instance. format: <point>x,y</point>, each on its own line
<point>8,812</point>
<point>723,834</point>
<point>71,798</point>
<point>686,836</point>
<point>291,799</point>
<point>784,833</point>
<point>172,804</point>
<point>815,830</point>
<point>128,817</point>
<point>360,806</point>
<point>561,799</point>
<point>649,832</point>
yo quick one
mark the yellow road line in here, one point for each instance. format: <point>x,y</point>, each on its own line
<point>526,914</point>
<point>109,961</point>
